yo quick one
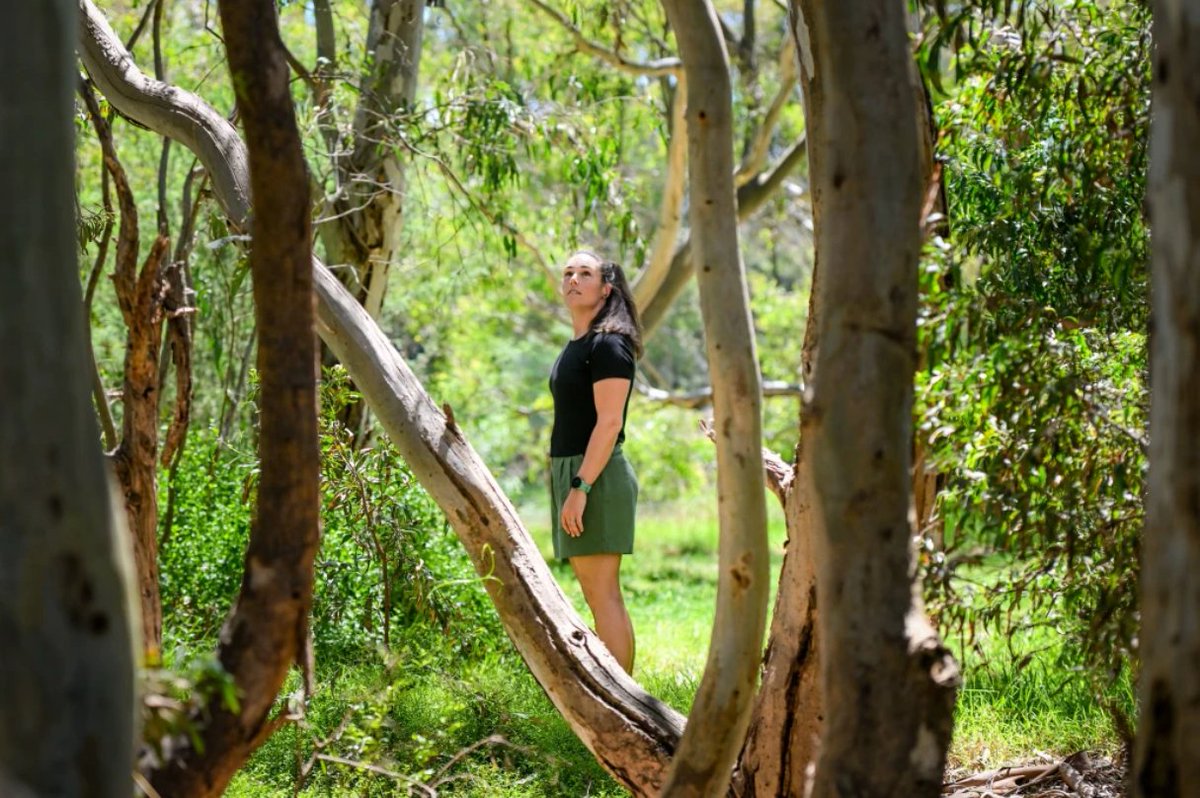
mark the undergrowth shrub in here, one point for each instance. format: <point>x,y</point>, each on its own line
<point>388,567</point>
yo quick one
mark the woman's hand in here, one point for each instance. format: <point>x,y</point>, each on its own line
<point>571,517</point>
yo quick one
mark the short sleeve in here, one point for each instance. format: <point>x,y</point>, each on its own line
<point>611,356</point>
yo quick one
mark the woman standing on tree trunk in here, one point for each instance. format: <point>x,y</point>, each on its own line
<point>593,489</point>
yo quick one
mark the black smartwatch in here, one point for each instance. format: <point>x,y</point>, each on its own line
<point>578,483</point>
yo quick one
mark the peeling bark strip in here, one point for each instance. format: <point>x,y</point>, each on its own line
<point>267,629</point>
<point>1167,753</point>
<point>631,733</point>
<point>67,613</point>
<point>369,207</point>
<point>140,298</point>
<point>888,683</point>
<point>704,761</point>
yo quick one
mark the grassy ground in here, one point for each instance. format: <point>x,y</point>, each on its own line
<point>418,711</point>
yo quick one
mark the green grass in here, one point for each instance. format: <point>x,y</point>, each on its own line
<point>411,711</point>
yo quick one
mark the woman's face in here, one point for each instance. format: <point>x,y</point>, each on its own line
<point>583,287</point>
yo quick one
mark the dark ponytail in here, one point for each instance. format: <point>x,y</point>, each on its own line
<point>619,313</point>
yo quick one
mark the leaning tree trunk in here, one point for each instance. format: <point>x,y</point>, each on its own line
<point>720,711</point>
<point>631,733</point>
<point>67,652</point>
<point>888,683</point>
<point>268,628</point>
<point>1167,756</point>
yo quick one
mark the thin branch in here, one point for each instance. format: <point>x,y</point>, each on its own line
<point>98,395</point>
<point>141,27</point>
<point>702,397</point>
<point>757,155</point>
<point>1096,411</point>
<point>125,272</point>
<point>779,476</point>
<point>164,160</point>
<point>509,228</point>
<point>656,68</point>
<point>322,77</point>
<point>749,36</point>
<point>754,192</point>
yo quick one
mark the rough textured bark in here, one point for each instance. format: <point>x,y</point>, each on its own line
<point>629,731</point>
<point>267,629</point>
<point>370,198</point>
<point>1167,752</point>
<point>888,683</point>
<point>704,761</point>
<point>785,725</point>
<point>140,298</point>
<point>66,605</point>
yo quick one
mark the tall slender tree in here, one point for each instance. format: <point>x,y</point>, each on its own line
<point>66,609</point>
<point>704,761</point>
<point>1167,756</point>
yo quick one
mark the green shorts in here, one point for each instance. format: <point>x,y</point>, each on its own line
<point>608,518</point>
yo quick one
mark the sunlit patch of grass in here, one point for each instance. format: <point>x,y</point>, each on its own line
<point>1018,704</point>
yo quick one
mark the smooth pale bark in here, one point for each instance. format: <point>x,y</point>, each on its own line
<point>369,205</point>
<point>1167,752</point>
<point>887,681</point>
<point>670,211</point>
<point>720,710</point>
<point>631,733</point>
<point>267,629</point>
<point>67,626</point>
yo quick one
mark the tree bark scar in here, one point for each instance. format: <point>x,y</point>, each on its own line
<point>741,574</point>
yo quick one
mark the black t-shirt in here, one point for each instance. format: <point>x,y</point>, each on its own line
<point>584,361</point>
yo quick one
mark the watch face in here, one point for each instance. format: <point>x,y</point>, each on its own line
<point>576,482</point>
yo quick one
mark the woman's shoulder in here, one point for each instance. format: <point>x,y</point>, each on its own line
<point>609,339</point>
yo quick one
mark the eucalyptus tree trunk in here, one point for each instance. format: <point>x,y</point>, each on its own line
<point>1167,751</point>
<point>631,733</point>
<point>369,203</point>
<point>268,628</point>
<point>66,606</point>
<point>720,711</point>
<point>785,725</point>
<point>888,683</point>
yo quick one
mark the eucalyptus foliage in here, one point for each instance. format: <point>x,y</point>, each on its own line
<point>1033,398</point>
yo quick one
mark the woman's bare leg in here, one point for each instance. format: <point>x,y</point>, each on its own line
<point>599,576</point>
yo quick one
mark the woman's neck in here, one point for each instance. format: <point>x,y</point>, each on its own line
<point>581,322</point>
